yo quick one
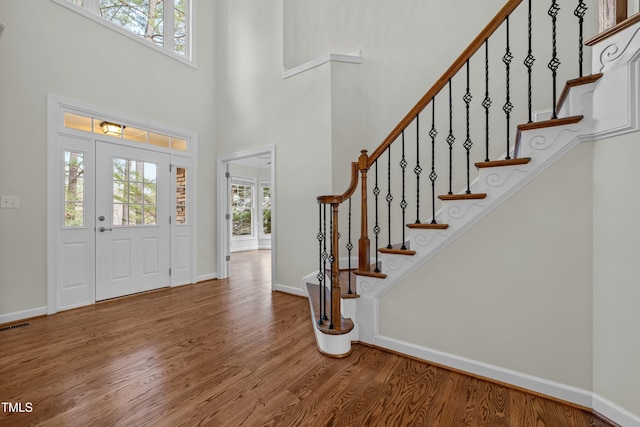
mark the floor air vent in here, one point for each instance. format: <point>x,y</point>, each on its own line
<point>16,326</point>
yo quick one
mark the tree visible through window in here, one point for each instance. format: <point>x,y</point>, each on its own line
<point>134,192</point>
<point>162,22</point>
<point>242,209</point>
<point>266,209</point>
<point>73,189</point>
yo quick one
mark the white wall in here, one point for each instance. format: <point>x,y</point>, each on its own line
<point>616,282</point>
<point>257,108</point>
<point>47,48</point>
<point>515,290</point>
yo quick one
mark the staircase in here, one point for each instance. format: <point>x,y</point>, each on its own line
<point>422,157</point>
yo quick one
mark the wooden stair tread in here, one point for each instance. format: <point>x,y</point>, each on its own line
<point>370,274</point>
<point>397,250</point>
<point>428,226</point>
<point>345,326</point>
<point>344,282</point>
<point>550,123</point>
<point>472,196</point>
<point>504,162</point>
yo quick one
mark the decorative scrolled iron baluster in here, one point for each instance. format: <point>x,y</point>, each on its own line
<point>468,143</point>
<point>555,62</point>
<point>389,197</point>
<point>450,139</point>
<point>528,62</point>
<point>349,249</point>
<point>486,102</point>
<point>325,257</point>
<point>579,12</point>
<point>403,202</point>
<point>508,106</point>
<point>376,227</point>
<point>321,268</point>
<point>417,170</point>
<point>332,260</point>
<point>433,176</point>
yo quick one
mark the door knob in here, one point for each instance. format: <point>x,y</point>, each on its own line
<point>102,229</point>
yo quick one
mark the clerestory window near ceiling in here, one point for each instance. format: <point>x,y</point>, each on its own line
<point>163,24</point>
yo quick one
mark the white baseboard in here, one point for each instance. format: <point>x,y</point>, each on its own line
<point>205,277</point>
<point>24,314</point>
<point>615,413</point>
<point>290,290</point>
<point>539,385</point>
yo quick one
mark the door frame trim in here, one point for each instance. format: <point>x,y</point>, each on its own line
<point>223,232</point>
<point>56,106</point>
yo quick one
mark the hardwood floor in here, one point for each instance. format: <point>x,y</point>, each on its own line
<point>231,352</point>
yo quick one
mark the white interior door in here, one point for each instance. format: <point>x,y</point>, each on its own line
<point>132,220</point>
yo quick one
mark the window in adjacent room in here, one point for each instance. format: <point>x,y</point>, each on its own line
<point>242,193</point>
<point>265,192</point>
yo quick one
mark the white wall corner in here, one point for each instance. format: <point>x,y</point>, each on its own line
<point>301,292</point>
<point>206,277</point>
<point>351,58</point>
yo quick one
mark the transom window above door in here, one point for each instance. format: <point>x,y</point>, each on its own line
<point>102,126</point>
<point>162,24</point>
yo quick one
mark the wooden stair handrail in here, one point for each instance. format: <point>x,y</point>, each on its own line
<point>342,197</point>
<point>457,65</point>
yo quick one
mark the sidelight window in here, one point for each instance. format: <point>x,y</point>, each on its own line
<point>181,195</point>
<point>73,189</point>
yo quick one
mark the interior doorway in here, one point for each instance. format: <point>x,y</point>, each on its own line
<point>246,207</point>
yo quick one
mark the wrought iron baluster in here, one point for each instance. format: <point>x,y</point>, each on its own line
<point>325,257</point>
<point>450,139</point>
<point>376,227</point>
<point>332,260</point>
<point>467,143</point>
<point>529,60</point>
<point>403,202</point>
<point>555,62</point>
<point>389,197</point>
<point>349,249</point>
<point>433,176</point>
<point>580,11</point>
<point>486,102</point>
<point>321,270</point>
<point>508,106</point>
<point>417,170</point>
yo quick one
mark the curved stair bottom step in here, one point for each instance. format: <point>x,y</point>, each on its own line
<point>335,344</point>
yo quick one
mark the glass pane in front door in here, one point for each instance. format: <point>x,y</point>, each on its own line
<point>134,192</point>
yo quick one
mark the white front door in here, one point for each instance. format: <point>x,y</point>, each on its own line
<point>132,220</point>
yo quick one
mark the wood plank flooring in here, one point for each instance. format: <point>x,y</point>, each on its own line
<point>231,353</point>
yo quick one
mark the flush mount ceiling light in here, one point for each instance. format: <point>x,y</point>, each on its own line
<point>109,128</point>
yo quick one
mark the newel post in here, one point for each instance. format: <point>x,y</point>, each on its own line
<point>612,12</point>
<point>363,243</point>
